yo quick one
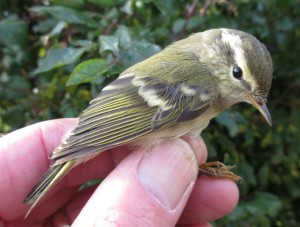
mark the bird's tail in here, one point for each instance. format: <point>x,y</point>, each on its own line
<point>47,182</point>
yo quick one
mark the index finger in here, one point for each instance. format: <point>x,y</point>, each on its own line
<point>24,158</point>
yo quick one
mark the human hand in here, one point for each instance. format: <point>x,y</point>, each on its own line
<point>148,188</point>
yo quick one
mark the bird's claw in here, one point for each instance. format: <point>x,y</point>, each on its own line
<point>218,170</point>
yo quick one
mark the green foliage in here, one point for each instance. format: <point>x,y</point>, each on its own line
<point>56,58</point>
<point>88,71</point>
<point>262,206</point>
<point>65,14</point>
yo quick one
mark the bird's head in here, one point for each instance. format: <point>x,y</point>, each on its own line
<point>243,68</point>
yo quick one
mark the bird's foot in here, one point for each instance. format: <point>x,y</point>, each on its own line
<point>218,170</point>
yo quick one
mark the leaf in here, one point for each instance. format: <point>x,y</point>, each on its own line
<point>166,7</point>
<point>109,43</point>
<point>286,24</point>
<point>177,25</point>
<point>195,21</point>
<point>81,42</point>
<point>44,25</point>
<point>13,31</point>
<point>127,8</point>
<point>124,34</point>
<point>258,19</point>
<point>65,14</point>
<point>59,57</point>
<point>88,71</point>
<point>75,4</point>
<point>246,170</point>
<point>264,175</point>
<point>104,3</point>
<point>226,119</point>
<point>136,51</point>
<point>16,88</point>
<point>238,213</point>
<point>58,28</point>
<point>128,50</point>
<point>264,204</point>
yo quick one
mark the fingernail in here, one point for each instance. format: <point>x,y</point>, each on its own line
<point>168,170</point>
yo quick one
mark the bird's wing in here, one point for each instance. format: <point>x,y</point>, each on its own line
<point>129,108</point>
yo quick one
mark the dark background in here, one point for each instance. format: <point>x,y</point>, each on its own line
<point>55,56</point>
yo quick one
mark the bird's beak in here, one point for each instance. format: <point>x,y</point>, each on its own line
<point>262,108</point>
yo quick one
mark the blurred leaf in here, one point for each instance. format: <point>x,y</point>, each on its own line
<point>125,34</point>
<point>65,14</point>
<point>18,88</point>
<point>195,22</point>
<point>88,71</point>
<point>104,3</point>
<point>227,119</point>
<point>45,25</point>
<point>264,204</point>
<point>264,175</point>
<point>72,4</point>
<point>177,25</point>
<point>12,115</point>
<point>258,19</point>
<point>58,28</point>
<point>109,43</point>
<point>166,7</point>
<point>13,31</point>
<point>127,8</point>
<point>59,57</point>
<point>136,51</point>
<point>258,211</point>
<point>247,171</point>
<point>286,24</point>
<point>82,43</point>
<point>128,50</point>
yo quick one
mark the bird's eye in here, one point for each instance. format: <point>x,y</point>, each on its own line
<point>237,72</point>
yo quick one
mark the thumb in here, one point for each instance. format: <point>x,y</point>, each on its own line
<point>148,188</point>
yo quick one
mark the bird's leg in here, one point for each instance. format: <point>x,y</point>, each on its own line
<point>218,170</point>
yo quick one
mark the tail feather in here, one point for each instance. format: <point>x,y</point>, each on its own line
<point>46,183</point>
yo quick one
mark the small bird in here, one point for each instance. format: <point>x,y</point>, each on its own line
<point>171,94</point>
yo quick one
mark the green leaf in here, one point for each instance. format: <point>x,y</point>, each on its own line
<point>13,31</point>
<point>136,51</point>
<point>88,71</point>
<point>238,213</point>
<point>65,14</point>
<point>58,28</point>
<point>104,3</point>
<point>195,22</point>
<point>165,7</point>
<point>286,24</point>
<point>127,8</point>
<point>226,119</point>
<point>246,170</point>
<point>77,4</point>
<point>177,25</point>
<point>81,42</point>
<point>44,25</point>
<point>264,204</point>
<point>125,34</point>
<point>258,19</point>
<point>16,88</point>
<point>128,50</point>
<point>59,57</point>
<point>109,43</point>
